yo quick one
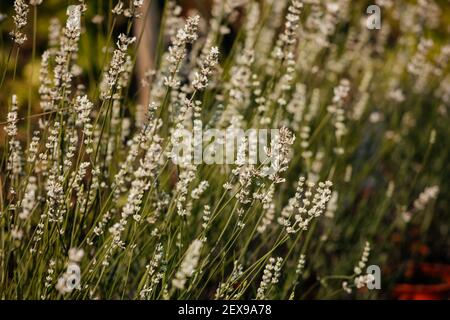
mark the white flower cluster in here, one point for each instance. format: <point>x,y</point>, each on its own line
<point>72,137</point>
<point>429,194</point>
<point>173,18</point>
<point>118,8</point>
<point>29,199</point>
<point>336,109</point>
<point>268,209</point>
<point>346,287</point>
<point>133,11</point>
<point>77,178</point>
<point>278,153</point>
<point>360,280</point>
<point>271,275</point>
<point>14,163</point>
<point>188,265</point>
<point>49,277</point>
<point>153,277</point>
<point>419,60</point>
<point>200,81</point>
<point>305,205</point>
<point>442,60</point>
<point>12,118</point>
<point>52,140</point>
<point>177,51</point>
<point>99,229</point>
<point>73,24</point>
<point>33,148</point>
<point>127,165</point>
<point>300,264</point>
<point>362,263</point>
<point>55,196</point>
<point>45,90</point>
<point>206,217</point>
<point>139,183</point>
<point>243,172</point>
<point>239,87</point>
<point>20,21</point>
<point>425,197</point>
<point>54,31</point>
<point>197,192</point>
<point>187,175</point>
<point>134,200</point>
<point>297,105</point>
<point>285,50</point>
<point>287,40</point>
<point>225,289</point>
<point>66,53</point>
<point>83,107</point>
<point>117,66</point>
<point>305,133</point>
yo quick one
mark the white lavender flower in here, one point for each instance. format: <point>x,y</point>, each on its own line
<point>20,21</point>
<point>197,192</point>
<point>225,289</point>
<point>153,275</point>
<point>278,153</point>
<point>308,203</point>
<point>67,52</point>
<point>200,81</point>
<point>117,66</point>
<point>12,118</point>
<point>363,261</point>
<point>188,265</point>
<point>29,199</point>
<point>49,277</point>
<point>271,275</point>
<point>419,61</point>
<point>54,33</point>
<point>300,264</point>
<point>118,8</point>
<point>429,194</point>
<point>134,200</point>
<point>45,89</point>
<point>177,51</point>
<point>206,216</point>
<point>83,108</point>
<point>287,40</point>
<point>336,109</point>
<point>55,196</point>
<point>14,163</point>
<point>187,175</point>
<point>268,209</point>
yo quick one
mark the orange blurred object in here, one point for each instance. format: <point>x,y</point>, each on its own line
<point>437,291</point>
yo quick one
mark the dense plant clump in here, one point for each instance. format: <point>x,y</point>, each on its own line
<point>95,203</point>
